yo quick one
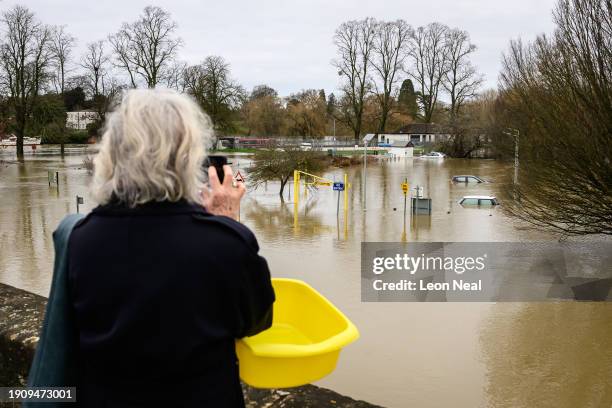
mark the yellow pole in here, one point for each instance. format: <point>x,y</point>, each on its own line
<point>346,187</point>
<point>345,225</point>
<point>296,197</point>
<point>345,192</point>
<point>296,187</point>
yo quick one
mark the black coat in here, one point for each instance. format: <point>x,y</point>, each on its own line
<point>161,292</point>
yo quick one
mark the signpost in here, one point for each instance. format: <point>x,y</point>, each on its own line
<point>53,177</point>
<point>79,200</point>
<point>239,177</point>
<point>338,186</point>
<point>366,141</point>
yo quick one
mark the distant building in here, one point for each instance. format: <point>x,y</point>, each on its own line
<point>416,133</point>
<point>401,151</point>
<point>79,120</point>
<point>393,146</point>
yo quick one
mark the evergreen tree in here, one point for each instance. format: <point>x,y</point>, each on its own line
<point>408,99</point>
<point>322,95</point>
<point>331,103</point>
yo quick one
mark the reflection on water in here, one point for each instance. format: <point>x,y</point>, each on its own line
<point>549,355</point>
<point>30,210</point>
<point>409,354</point>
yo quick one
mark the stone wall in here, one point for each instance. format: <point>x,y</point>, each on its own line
<point>21,314</point>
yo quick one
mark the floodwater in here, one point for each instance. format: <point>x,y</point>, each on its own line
<point>409,354</point>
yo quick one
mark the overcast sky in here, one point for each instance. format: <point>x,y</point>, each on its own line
<point>287,44</point>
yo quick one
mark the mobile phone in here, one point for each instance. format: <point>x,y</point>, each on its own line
<point>218,162</point>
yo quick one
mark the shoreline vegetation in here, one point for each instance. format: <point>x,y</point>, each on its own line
<point>388,96</point>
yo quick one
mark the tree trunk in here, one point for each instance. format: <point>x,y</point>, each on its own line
<point>20,130</point>
<point>19,148</point>
<point>63,140</point>
<point>282,188</point>
<point>383,121</point>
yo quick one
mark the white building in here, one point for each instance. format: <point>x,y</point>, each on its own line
<point>405,152</point>
<point>80,119</point>
<point>416,133</point>
<point>395,148</point>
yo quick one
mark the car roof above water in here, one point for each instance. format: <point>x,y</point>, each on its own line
<point>480,197</point>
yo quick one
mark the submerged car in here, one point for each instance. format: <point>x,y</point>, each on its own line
<point>481,201</point>
<point>467,179</point>
<point>434,155</point>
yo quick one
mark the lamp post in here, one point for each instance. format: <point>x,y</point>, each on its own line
<point>365,173</point>
<point>334,129</point>
<point>366,141</point>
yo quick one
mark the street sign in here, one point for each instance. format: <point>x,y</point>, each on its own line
<point>239,177</point>
<point>338,186</point>
<point>79,201</point>
<point>405,188</point>
<point>53,177</point>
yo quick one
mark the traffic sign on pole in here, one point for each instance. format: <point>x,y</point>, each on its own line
<point>338,186</point>
<point>239,177</point>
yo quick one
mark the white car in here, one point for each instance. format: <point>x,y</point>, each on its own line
<point>467,179</point>
<point>306,146</point>
<point>480,201</point>
<point>433,155</point>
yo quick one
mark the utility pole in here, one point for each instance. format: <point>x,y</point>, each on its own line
<point>365,167</point>
<point>334,129</point>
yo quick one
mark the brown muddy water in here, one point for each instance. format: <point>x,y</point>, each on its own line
<point>409,354</point>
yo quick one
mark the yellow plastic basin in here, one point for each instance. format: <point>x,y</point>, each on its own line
<point>302,345</point>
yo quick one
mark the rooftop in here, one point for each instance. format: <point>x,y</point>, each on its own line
<point>422,129</point>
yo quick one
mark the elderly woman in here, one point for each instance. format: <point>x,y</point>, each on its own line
<point>162,277</point>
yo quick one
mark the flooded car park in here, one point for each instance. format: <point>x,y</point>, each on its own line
<point>432,355</point>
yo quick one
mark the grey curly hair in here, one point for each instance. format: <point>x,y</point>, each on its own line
<point>152,149</point>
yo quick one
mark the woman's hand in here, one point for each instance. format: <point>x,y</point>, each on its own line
<point>223,199</point>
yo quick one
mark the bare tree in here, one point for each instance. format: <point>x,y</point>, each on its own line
<point>211,85</point>
<point>559,93</point>
<point>101,83</point>
<point>388,54</point>
<point>146,48</point>
<point>306,113</point>
<point>176,75</point>
<point>24,58</point>
<point>461,80</point>
<point>428,56</point>
<point>94,62</point>
<point>62,44</point>
<point>278,165</point>
<point>354,40</point>
<point>260,91</point>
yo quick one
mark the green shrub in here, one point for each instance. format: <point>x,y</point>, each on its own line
<point>77,136</point>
